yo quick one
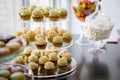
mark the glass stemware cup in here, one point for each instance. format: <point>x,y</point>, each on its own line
<point>82,9</point>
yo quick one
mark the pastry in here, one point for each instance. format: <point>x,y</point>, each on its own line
<point>54,15</point>
<point>38,14</point>
<point>53,56</point>
<point>50,36</point>
<point>13,46</point>
<point>19,59</point>
<point>46,32</point>
<point>41,43</point>
<point>2,44</point>
<point>52,50</point>
<point>49,66</point>
<point>57,41</point>
<point>4,51</point>
<point>36,52</point>
<point>33,58</point>
<point>62,52</point>
<point>46,11</point>
<point>39,36</point>
<point>18,33</point>
<point>32,7</point>
<point>55,28</point>
<point>28,50</point>
<point>62,61</point>
<point>34,66</point>
<point>63,13</point>
<point>31,34</point>
<point>24,13</point>
<point>67,37</point>
<point>37,30</point>
<point>26,37</point>
<point>61,32</point>
<point>43,60</point>
<point>25,30</point>
<point>67,55</point>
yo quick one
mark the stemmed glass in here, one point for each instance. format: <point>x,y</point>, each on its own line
<point>82,9</point>
<point>98,28</point>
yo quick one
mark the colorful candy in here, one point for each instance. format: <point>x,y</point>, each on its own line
<point>84,8</point>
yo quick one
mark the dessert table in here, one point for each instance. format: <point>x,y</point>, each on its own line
<point>105,66</point>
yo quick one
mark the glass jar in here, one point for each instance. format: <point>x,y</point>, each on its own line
<point>82,9</point>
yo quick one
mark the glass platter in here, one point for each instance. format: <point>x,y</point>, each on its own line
<point>64,72</point>
<point>50,47</point>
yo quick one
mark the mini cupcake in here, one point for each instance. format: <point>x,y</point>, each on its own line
<point>33,58</point>
<point>54,15</point>
<point>26,37</point>
<point>28,50</point>
<point>43,60</point>
<point>67,37</point>
<point>61,32</point>
<point>46,32</point>
<point>68,56</point>
<point>18,33</point>
<point>63,13</point>
<point>34,66</point>
<point>62,62</point>
<point>53,56</point>
<point>25,30</point>
<point>46,11</point>
<point>41,43</point>
<point>55,28</point>
<point>38,36</point>
<point>32,7</point>
<point>57,41</point>
<point>19,59</point>
<point>36,52</point>
<point>32,35</point>
<point>49,66</point>
<point>38,14</point>
<point>50,36</point>
<point>37,29</point>
<point>25,13</point>
<point>62,52</point>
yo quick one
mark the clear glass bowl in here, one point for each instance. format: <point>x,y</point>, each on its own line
<point>81,10</point>
<point>27,71</point>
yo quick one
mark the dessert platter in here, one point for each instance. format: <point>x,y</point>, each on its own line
<point>49,64</point>
<point>10,47</point>
<point>49,40</point>
<point>14,71</point>
<point>35,13</point>
<point>46,49</point>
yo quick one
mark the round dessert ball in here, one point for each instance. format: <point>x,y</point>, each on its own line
<point>4,51</point>
<point>2,44</point>
<point>49,66</point>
